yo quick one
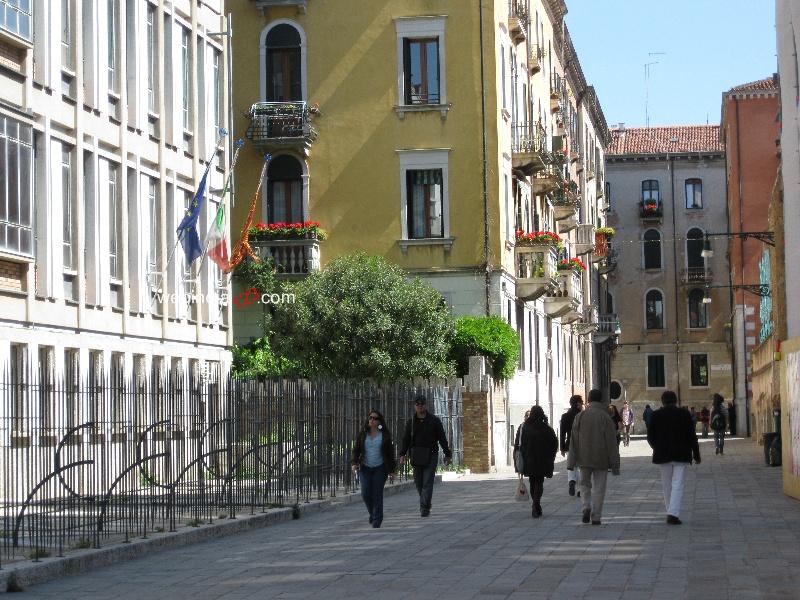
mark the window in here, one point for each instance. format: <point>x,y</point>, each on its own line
<point>284,73</point>
<point>654,310</point>
<point>47,384</point>
<point>421,71</point>
<point>699,370</point>
<point>694,258</point>
<point>652,249</point>
<point>650,191</point>
<point>424,194</point>
<point>67,59</point>
<point>68,211</point>
<point>15,17</point>
<point>115,225</point>
<point>113,34</point>
<point>18,374</point>
<point>72,382</point>
<point>16,186</point>
<point>694,193</point>
<point>285,192</point>
<point>152,57</point>
<point>420,55</point>
<point>698,316</point>
<point>154,252</point>
<point>186,65</point>
<point>655,371</point>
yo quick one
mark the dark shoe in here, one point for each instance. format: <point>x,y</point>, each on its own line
<point>376,524</point>
<point>579,494</point>
<point>425,512</point>
<point>571,488</point>
<point>586,514</point>
<point>673,520</point>
<point>538,508</point>
<point>720,451</point>
<point>534,512</point>
<point>595,522</point>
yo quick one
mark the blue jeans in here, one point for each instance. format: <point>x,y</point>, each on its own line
<point>372,480</point>
<point>423,479</point>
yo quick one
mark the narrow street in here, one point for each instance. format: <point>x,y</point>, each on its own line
<point>740,539</point>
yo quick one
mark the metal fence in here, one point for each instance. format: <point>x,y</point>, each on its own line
<point>91,460</point>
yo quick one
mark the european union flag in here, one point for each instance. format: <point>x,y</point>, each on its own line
<point>187,230</point>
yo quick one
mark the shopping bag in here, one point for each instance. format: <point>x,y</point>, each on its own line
<point>521,495</point>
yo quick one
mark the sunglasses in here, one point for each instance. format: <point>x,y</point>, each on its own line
<point>373,418</point>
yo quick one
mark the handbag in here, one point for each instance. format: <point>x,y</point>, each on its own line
<point>420,456</point>
<point>521,494</point>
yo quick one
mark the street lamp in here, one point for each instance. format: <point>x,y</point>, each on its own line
<point>707,252</point>
<point>759,289</point>
<point>706,296</point>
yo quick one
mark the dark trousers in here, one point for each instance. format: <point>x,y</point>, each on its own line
<point>537,489</point>
<point>423,479</point>
<point>372,480</point>
<point>719,439</point>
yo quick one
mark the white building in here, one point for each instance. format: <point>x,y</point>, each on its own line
<point>108,111</point>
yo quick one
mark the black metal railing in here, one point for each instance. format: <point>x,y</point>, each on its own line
<point>528,138</point>
<point>89,460</point>
<point>650,209</point>
<point>280,123</point>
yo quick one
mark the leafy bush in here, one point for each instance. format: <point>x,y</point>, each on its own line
<point>361,317</point>
<point>257,359</point>
<point>491,337</point>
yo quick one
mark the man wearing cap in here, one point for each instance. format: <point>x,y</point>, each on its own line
<point>423,435</point>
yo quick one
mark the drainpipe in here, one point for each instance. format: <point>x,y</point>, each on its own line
<point>741,270</point>
<point>671,167</point>
<point>731,299</point>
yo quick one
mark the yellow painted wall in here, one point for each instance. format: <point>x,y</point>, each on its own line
<point>790,416</point>
<point>353,165</point>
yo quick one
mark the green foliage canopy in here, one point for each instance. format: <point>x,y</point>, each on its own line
<point>491,337</point>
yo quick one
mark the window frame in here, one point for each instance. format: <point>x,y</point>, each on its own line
<point>663,372</point>
<point>694,182</point>
<point>703,307</point>
<point>263,57</point>
<point>416,160</point>
<point>663,310</point>
<point>12,183</point>
<point>651,189</point>
<point>645,242</point>
<point>420,28</point>
<point>692,358</point>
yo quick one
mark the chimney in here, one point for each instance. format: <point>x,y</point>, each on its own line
<point>621,127</point>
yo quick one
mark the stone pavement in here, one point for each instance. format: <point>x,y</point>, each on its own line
<point>740,539</point>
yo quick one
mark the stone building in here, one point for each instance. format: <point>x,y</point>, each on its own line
<point>667,192</point>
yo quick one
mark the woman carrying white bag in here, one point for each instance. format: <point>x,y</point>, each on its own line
<point>539,444</point>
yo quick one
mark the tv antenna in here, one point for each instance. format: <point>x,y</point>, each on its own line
<point>647,66</point>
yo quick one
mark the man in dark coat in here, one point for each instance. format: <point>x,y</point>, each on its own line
<point>672,437</point>
<point>565,432</point>
<point>539,446</point>
<point>423,435</point>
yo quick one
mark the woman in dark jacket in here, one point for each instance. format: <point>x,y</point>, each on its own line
<point>373,459</point>
<point>539,445</point>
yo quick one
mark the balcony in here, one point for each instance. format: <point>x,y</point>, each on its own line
<point>536,58</point>
<point>600,185</point>
<point>585,239</point>
<point>607,327</point>
<point>294,259</point>
<point>696,275</point>
<point>608,263</point>
<point>566,207</point>
<point>567,298</point>
<point>536,270</point>
<point>528,153</point>
<point>588,323</point>
<point>518,21</point>
<point>600,251</point>
<point>650,210</point>
<point>280,125</point>
<point>547,180</point>
<point>301,5</point>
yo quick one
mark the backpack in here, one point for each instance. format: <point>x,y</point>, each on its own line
<point>718,422</point>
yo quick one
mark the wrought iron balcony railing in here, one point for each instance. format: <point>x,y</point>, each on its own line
<point>692,275</point>
<point>650,209</point>
<point>280,124</point>
<point>528,147</point>
<point>518,20</point>
<point>536,58</point>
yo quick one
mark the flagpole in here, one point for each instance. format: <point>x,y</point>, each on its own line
<point>217,147</point>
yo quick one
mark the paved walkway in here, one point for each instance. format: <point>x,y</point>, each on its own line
<point>740,539</point>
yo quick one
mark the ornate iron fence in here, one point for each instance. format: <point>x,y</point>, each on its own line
<point>89,460</point>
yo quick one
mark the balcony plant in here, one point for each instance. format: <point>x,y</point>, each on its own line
<point>607,232</point>
<point>571,264</point>
<point>536,238</point>
<point>310,230</point>
<point>649,206</point>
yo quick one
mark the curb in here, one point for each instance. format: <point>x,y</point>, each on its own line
<point>81,561</point>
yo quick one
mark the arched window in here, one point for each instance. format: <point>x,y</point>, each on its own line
<point>652,249</point>
<point>650,190</point>
<point>654,310</point>
<point>698,315</point>
<point>285,190</point>
<point>283,64</point>
<point>694,193</point>
<point>695,262</point>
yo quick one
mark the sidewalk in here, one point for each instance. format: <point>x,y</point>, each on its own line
<point>740,539</point>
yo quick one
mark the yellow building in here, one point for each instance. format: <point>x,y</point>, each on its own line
<point>430,133</point>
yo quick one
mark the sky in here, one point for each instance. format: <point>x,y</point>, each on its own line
<point>709,47</point>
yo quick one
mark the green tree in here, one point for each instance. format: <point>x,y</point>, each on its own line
<point>491,337</point>
<point>362,317</point>
<point>257,359</point>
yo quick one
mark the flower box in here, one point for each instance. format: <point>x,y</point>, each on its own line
<point>537,238</point>
<point>309,230</point>
<point>571,264</point>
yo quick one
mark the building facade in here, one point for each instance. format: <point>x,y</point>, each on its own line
<point>787,19</point>
<point>749,131</point>
<point>667,191</point>
<point>109,110</point>
<point>432,136</point>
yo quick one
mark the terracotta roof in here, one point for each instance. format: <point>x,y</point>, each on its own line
<point>762,85</point>
<point>660,140</point>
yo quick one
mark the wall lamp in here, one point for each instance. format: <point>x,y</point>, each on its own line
<point>759,289</point>
<point>768,237</point>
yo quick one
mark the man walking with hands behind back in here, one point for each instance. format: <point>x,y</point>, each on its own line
<point>593,447</point>
<point>672,437</point>
<point>565,431</point>
<point>423,435</point>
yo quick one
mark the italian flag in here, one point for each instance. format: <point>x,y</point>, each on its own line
<point>216,244</point>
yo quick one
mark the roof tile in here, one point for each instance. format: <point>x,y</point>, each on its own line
<point>661,140</point>
<point>762,85</point>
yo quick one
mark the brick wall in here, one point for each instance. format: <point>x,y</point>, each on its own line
<point>11,57</point>
<point>12,276</point>
<point>477,437</point>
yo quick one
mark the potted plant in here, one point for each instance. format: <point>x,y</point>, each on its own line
<point>536,238</point>
<point>571,264</point>
<point>607,232</point>
<point>287,231</point>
